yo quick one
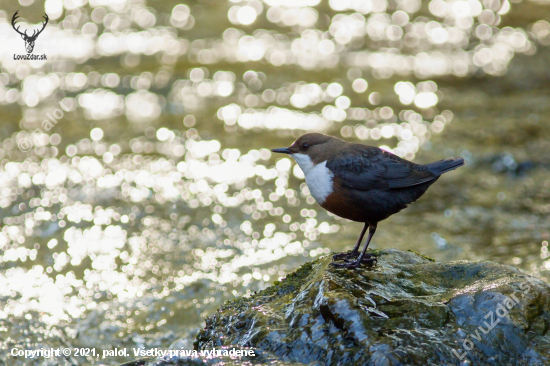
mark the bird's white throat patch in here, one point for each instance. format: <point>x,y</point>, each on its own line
<point>318,177</point>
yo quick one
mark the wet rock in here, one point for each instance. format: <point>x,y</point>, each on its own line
<point>407,310</point>
<point>258,357</point>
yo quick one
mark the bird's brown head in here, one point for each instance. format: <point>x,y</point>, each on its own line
<point>317,146</point>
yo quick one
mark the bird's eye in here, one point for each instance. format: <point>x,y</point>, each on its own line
<point>305,146</point>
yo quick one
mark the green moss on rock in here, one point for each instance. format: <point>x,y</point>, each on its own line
<point>422,255</point>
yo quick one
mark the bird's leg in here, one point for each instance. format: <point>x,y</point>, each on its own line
<point>355,249</point>
<point>363,258</point>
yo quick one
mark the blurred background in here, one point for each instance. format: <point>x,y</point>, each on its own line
<point>151,197</point>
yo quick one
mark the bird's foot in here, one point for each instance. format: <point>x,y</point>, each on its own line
<point>345,256</point>
<point>350,255</point>
<point>369,259</point>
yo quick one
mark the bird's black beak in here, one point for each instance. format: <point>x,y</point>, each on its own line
<point>282,150</point>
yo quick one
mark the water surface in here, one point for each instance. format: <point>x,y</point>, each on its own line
<point>149,196</point>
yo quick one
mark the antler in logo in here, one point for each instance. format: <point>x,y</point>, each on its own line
<point>29,40</point>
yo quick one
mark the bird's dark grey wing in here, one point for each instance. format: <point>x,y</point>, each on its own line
<point>364,167</point>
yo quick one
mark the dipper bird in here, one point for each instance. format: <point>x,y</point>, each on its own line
<point>361,183</point>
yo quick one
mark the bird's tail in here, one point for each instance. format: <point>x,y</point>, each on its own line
<point>444,166</point>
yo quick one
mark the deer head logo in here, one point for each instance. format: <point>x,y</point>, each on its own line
<point>29,40</point>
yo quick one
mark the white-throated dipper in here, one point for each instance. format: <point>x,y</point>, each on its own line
<point>361,183</point>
